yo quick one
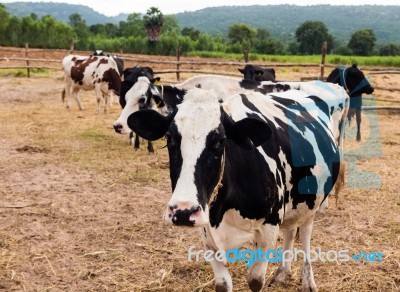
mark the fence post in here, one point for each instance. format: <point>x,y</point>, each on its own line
<point>246,56</point>
<point>121,50</point>
<point>28,69</point>
<point>178,57</point>
<point>71,48</point>
<point>324,48</point>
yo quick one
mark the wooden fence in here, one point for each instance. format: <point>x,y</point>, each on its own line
<point>21,58</point>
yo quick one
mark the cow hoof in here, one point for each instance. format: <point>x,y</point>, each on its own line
<point>308,288</point>
<point>279,277</point>
<point>221,287</point>
<point>255,285</point>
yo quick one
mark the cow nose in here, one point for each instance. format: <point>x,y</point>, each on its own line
<point>118,128</point>
<point>184,214</point>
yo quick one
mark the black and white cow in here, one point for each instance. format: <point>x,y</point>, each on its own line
<point>131,76</point>
<point>355,83</point>
<point>94,72</point>
<point>257,73</point>
<point>248,166</point>
<point>165,98</point>
<point>120,65</point>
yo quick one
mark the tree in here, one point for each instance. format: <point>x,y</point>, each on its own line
<point>310,35</point>
<point>13,31</point>
<point>4,18</point>
<point>390,49</point>
<point>81,30</point>
<point>191,32</point>
<point>362,42</point>
<point>241,33</point>
<point>133,26</point>
<point>153,22</point>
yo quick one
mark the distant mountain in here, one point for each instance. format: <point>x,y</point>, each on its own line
<point>280,20</point>
<point>61,11</point>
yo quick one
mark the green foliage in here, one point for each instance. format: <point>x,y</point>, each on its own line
<point>310,35</point>
<point>131,36</point>
<point>390,50</point>
<point>362,42</point>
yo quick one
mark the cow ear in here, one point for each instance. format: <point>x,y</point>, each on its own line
<point>155,80</point>
<point>241,71</point>
<point>259,72</point>
<point>249,133</point>
<point>149,124</point>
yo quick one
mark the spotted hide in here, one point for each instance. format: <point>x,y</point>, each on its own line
<point>250,165</point>
<point>94,72</point>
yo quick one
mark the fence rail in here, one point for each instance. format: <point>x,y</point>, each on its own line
<point>42,63</point>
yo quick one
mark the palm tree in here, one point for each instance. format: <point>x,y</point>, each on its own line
<point>153,22</point>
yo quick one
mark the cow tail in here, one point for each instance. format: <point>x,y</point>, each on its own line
<point>340,182</point>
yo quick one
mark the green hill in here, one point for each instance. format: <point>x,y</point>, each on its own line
<point>280,20</point>
<point>60,11</point>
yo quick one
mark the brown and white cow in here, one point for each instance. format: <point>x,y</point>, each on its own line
<point>94,72</point>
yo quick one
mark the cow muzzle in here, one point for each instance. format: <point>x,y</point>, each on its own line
<point>186,214</point>
<point>120,129</point>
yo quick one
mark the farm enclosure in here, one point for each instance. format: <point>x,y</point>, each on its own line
<point>80,210</point>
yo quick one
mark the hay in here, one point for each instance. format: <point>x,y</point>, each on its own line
<point>87,214</point>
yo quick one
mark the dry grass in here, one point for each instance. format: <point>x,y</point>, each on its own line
<point>80,210</point>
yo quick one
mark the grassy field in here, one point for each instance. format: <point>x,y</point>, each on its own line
<point>313,59</point>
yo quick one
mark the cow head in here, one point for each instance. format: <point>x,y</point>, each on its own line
<point>134,96</point>
<point>198,134</point>
<point>352,79</point>
<point>257,73</point>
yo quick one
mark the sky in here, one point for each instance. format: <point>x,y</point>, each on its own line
<point>115,7</point>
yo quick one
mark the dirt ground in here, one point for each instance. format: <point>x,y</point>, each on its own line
<point>80,210</point>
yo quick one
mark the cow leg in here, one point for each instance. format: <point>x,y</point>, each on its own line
<point>110,99</point>
<point>223,280</point>
<point>105,97</point>
<point>265,240</point>
<point>99,95</point>
<point>137,142</point>
<point>285,268</point>
<point>66,93</point>
<point>358,120</point>
<point>130,138</point>
<point>307,275</point>
<point>150,147</point>
<point>78,101</point>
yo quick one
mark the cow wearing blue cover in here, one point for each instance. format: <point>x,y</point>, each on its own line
<point>352,79</point>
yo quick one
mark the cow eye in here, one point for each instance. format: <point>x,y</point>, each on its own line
<point>219,144</point>
<point>170,140</point>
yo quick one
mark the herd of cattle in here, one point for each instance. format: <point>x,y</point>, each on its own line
<point>248,157</point>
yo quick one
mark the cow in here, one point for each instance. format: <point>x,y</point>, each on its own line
<point>120,65</point>
<point>244,168</point>
<point>131,76</point>
<point>257,73</point>
<point>94,72</point>
<point>165,98</point>
<point>355,83</point>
